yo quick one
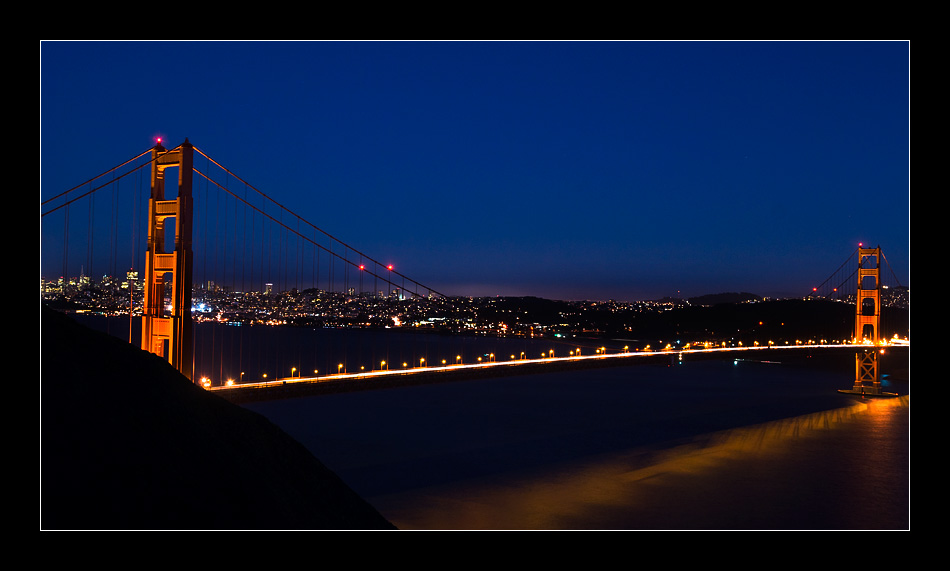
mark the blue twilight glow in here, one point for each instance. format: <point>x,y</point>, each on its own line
<point>624,170</point>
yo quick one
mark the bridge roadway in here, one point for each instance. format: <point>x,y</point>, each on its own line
<point>293,387</point>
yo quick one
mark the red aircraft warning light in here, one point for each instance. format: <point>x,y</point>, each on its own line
<point>390,267</point>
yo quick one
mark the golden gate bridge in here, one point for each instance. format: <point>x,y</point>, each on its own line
<point>222,251</point>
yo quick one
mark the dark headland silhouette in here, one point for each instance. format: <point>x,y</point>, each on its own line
<point>129,443</point>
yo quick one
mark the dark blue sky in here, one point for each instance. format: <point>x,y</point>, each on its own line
<point>624,170</point>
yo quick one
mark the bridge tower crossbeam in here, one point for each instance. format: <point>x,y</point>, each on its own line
<point>168,333</point>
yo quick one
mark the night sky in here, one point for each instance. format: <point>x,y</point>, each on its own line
<point>567,170</point>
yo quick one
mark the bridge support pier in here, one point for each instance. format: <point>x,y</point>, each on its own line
<point>867,377</point>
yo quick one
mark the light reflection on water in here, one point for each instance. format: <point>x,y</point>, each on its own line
<point>786,474</point>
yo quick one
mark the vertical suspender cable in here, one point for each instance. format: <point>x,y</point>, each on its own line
<point>263,254</point>
<point>298,257</point>
<point>234,248</point>
<point>136,204</point>
<point>132,242</point>
<point>249,253</point>
<point>224,237</point>
<point>89,233</point>
<point>244,241</point>
<point>114,249</point>
<point>64,280</point>
<point>204,271</point>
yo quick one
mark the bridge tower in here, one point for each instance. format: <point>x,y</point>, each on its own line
<point>168,332</point>
<point>868,321</point>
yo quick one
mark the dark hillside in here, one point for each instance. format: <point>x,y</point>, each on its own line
<point>782,321</point>
<point>128,443</point>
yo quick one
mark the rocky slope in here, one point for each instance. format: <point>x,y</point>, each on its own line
<point>128,443</point>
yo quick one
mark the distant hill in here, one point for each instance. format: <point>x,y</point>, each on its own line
<point>129,443</point>
<point>729,297</point>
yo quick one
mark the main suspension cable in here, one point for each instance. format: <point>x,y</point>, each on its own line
<point>283,208</point>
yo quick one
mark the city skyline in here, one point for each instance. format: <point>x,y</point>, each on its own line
<point>565,170</point>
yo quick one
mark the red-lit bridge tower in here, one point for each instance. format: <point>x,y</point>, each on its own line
<point>867,324</point>
<point>168,332</point>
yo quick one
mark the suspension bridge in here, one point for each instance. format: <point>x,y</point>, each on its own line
<point>202,277</point>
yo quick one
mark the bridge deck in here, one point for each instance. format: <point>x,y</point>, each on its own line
<point>302,387</point>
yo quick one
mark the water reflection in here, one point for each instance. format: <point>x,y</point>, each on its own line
<point>837,469</point>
